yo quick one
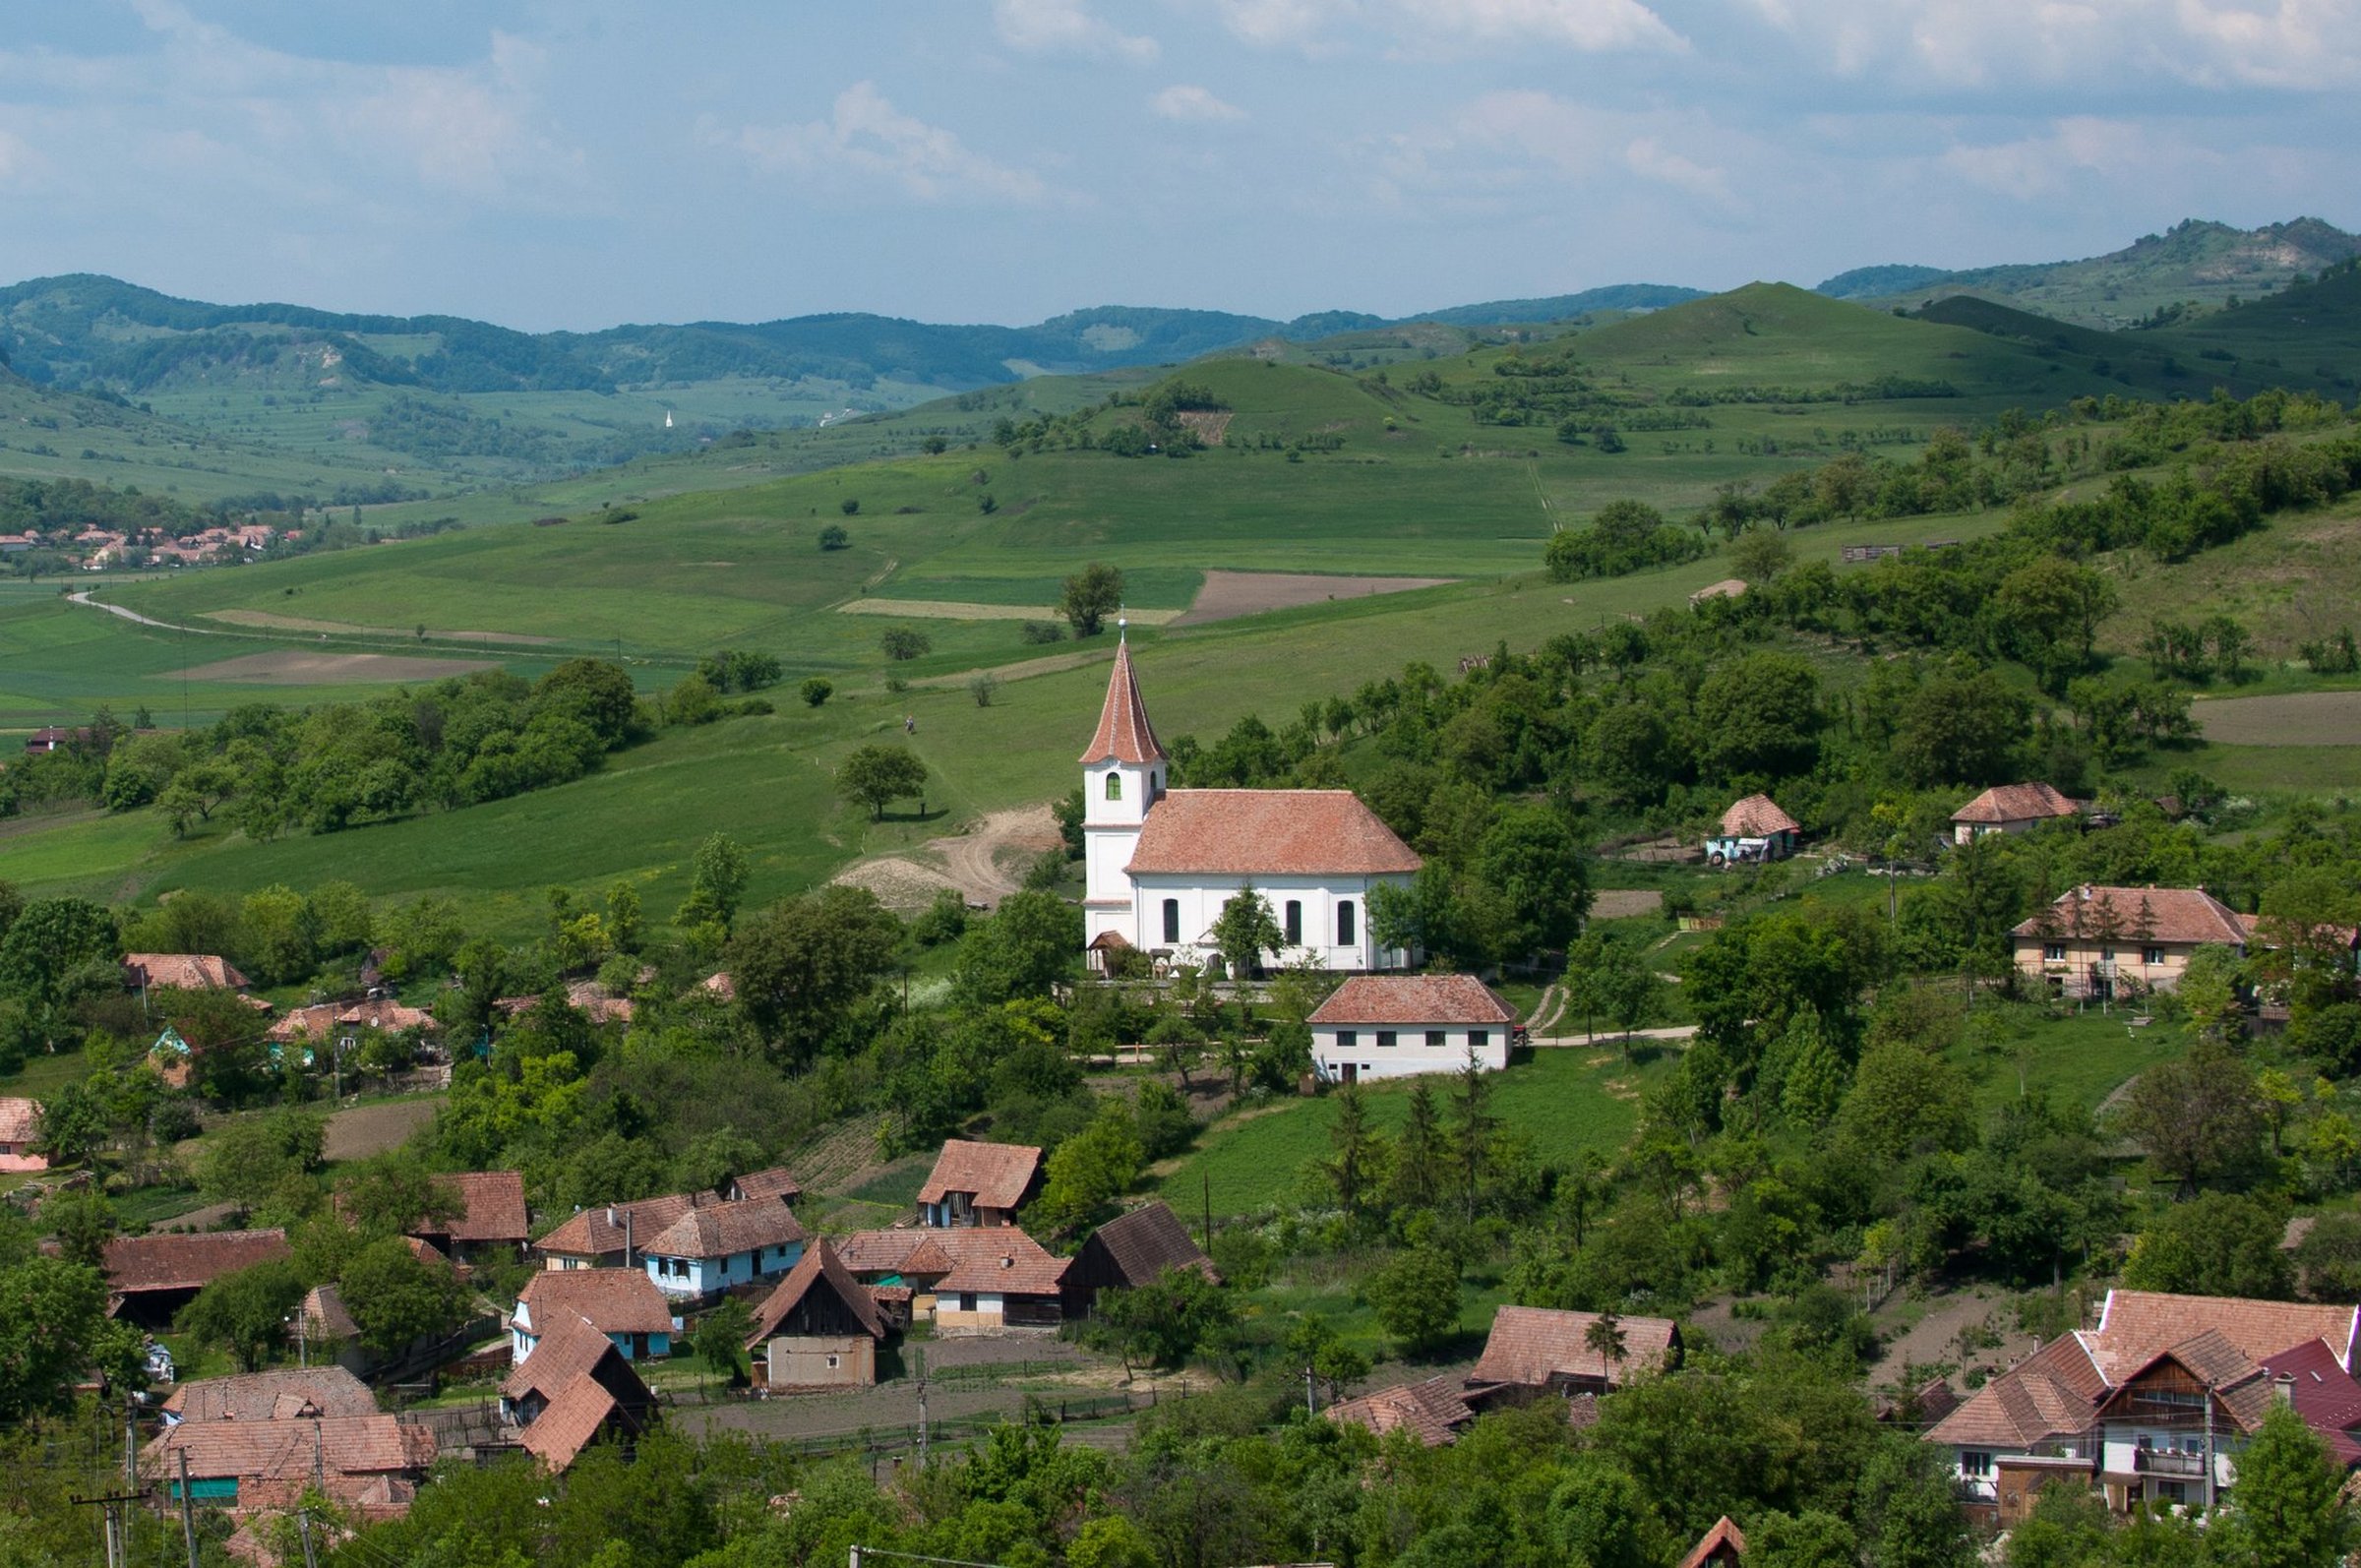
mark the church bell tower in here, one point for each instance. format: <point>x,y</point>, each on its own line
<point>1122,777</point>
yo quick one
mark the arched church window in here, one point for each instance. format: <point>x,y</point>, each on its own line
<point>1114,786</point>
<point>1344,923</point>
<point>1171,920</point>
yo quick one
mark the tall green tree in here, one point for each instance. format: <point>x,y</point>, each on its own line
<point>1089,597</point>
<point>801,966</point>
<point>1245,930</point>
<point>2287,1510</point>
<point>877,775</point>
<point>717,877</point>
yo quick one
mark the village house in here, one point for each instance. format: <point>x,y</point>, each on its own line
<point>966,1280</point>
<point>284,1394</point>
<point>611,1235</point>
<point>1159,863</point>
<point>2011,809</point>
<point>1432,1410</point>
<point>50,738</point>
<point>150,1278</point>
<point>1531,1350</point>
<point>774,1182</point>
<point>624,1304</point>
<point>490,1221</point>
<point>978,1183</point>
<point>19,1133</point>
<point>369,1464</point>
<point>1393,1026</point>
<point>2154,1403</point>
<point>146,972</point>
<point>2098,942</point>
<point>576,1387</point>
<point>1753,829</point>
<point>349,1020</point>
<point>713,1246</point>
<point>820,1329</point>
<point>1130,1251</point>
<point>1723,1546</point>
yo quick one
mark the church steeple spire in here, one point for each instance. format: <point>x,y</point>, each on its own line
<point>1124,734</point>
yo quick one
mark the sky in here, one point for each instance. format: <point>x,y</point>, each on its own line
<point>580,163</point>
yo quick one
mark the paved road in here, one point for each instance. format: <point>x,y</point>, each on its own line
<point>1616,1036</point>
<point>84,598</point>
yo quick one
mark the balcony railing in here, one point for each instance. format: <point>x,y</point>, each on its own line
<point>2161,1462</point>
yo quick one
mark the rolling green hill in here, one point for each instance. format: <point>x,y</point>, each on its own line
<point>2193,261</point>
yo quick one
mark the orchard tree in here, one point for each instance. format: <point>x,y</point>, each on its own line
<point>396,1297</point>
<point>245,1313</point>
<point>717,875</point>
<point>1089,596</point>
<point>1416,1296</point>
<point>1245,930</point>
<point>800,967</point>
<point>873,775</point>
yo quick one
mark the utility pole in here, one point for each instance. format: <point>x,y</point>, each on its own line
<point>188,1516</point>
<point>2210,1489</point>
<point>1311,1405</point>
<point>919,1354</point>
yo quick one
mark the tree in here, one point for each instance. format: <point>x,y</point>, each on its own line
<point>1165,1322</point>
<point>1612,980</point>
<point>398,1297</point>
<point>834,537</point>
<point>1531,861</point>
<point>1416,1296</point>
<point>1245,930</point>
<point>1902,1099</point>
<point>245,1313</point>
<point>873,775</point>
<point>2287,1511</point>
<point>1759,715</point>
<point>49,941</point>
<point>1759,555</point>
<point>902,642</point>
<point>52,1317</point>
<point>800,967</point>
<point>720,1338</point>
<point>816,690</point>
<point>1604,1336</point>
<point>1027,948</point>
<point>717,875</point>
<point>83,1223</point>
<point>1089,596</point>
<point>2214,1244</point>
<point>596,692</point>
<point>1356,1159</point>
<point>391,1195</point>
<point>229,1053</point>
<point>1088,1171</point>
<point>1313,1344</point>
<point>2197,1116</point>
<point>2048,611</point>
<point>850,505</point>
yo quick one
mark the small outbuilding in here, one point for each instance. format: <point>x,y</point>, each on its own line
<point>820,1329</point>
<point>2010,809</point>
<point>150,1278</point>
<point>1753,829</point>
<point>19,1133</point>
<point>1533,1349</point>
<point>1130,1251</point>
<point>1394,1026</point>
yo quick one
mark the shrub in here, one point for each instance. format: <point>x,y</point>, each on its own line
<point>814,690</point>
<point>850,505</point>
<point>833,537</point>
<point>1045,630</point>
<point>906,642</point>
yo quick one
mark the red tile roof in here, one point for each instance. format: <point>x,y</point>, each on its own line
<point>1148,1240</point>
<point>1724,1540</point>
<point>2052,1393</point>
<point>286,1448</point>
<point>181,972</point>
<point>569,1346</point>
<point>615,1300</point>
<point>1530,1346</point>
<point>998,1174</point>
<point>568,1424</point>
<point>774,1183</point>
<point>2015,803</point>
<point>494,1206</point>
<point>2133,1325</point>
<point>383,1014</point>
<point>1431,1410</point>
<point>1757,816</point>
<point>717,1229</point>
<point>279,1395</point>
<point>599,1230</point>
<point>135,1263</point>
<point>2323,1394</point>
<point>820,1269</point>
<point>1268,833</point>
<point>1001,1259</point>
<point>19,1120</point>
<point>1124,734</point>
<point>1414,999</point>
<point>2183,916</point>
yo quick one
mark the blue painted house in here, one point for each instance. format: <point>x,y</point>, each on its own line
<point>624,1304</point>
<point>713,1246</point>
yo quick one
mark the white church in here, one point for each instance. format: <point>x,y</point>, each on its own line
<point>1163,862</point>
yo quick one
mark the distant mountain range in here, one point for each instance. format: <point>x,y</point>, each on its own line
<point>91,332</point>
<point>2208,264</point>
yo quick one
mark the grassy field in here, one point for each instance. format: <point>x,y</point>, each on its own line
<point>1564,1101</point>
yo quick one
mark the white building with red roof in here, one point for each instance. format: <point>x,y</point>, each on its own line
<point>1391,1026</point>
<point>1162,863</point>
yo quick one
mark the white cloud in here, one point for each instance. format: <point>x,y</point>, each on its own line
<point>868,139</point>
<point>2040,166</point>
<point>1186,101</point>
<point>1275,24</point>
<point>1651,160</point>
<point>1423,26</point>
<point>1508,140</point>
<point>1066,26</point>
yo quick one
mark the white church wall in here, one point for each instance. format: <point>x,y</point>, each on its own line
<point>1320,904</point>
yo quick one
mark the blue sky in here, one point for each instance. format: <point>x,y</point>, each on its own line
<point>581,164</point>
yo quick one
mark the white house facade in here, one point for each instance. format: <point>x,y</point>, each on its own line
<point>1395,1026</point>
<point>1160,863</point>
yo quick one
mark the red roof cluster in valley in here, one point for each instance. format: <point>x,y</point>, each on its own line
<point>1268,832</point>
<point>1124,734</point>
<point>1414,999</point>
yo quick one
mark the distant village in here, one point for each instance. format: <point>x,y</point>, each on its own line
<point>104,549</point>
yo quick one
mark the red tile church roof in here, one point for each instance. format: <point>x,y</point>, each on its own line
<point>1268,833</point>
<point>1124,734</point>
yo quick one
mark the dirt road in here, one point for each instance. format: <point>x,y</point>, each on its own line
<point>985,863</point>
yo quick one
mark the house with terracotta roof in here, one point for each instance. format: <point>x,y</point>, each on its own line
<point>713,1246</point>
<point>2011,809</point>
<point>145,972</point>
<point>1721,1546</point>
<point>1753,829</point>
<point>1130,1251</point>
<point>821,1328</point>
<point>370,1464</point>
<point>1533,1350</point>
<point>284,1394</point>
<point>491,1220</point>
<point>338,1020</point>
<point>150,1278</point>
<point>612,1234</point>
<point>967,1280</point>
<point>2154,1404</point>
<point>573,1389</point>
<point>774,1182</point>
<point>624,1304</point>
<point>2100,943</point>
<point>20,1131</point>
<point>978,1183</point>
<point>1160,863</point>
<point>1432,1410</point>
<point>1393,1026</point>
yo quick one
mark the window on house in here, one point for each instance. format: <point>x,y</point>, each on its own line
<point>2106,956</point>
<point>2152,956</point>
<point>1343,924</point>
<point>1294,923</point>
<point>1974,1464</point>
<point>2053,952</point>
<point>831,1363</point>
<point>1385,1040</point>
<point>1347,1039</point>
<point>1114,792</point>
<point>1478,1039</point>
<point>1171,920</point>
<point>967,1300</point>
<point>1435,1039</point>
